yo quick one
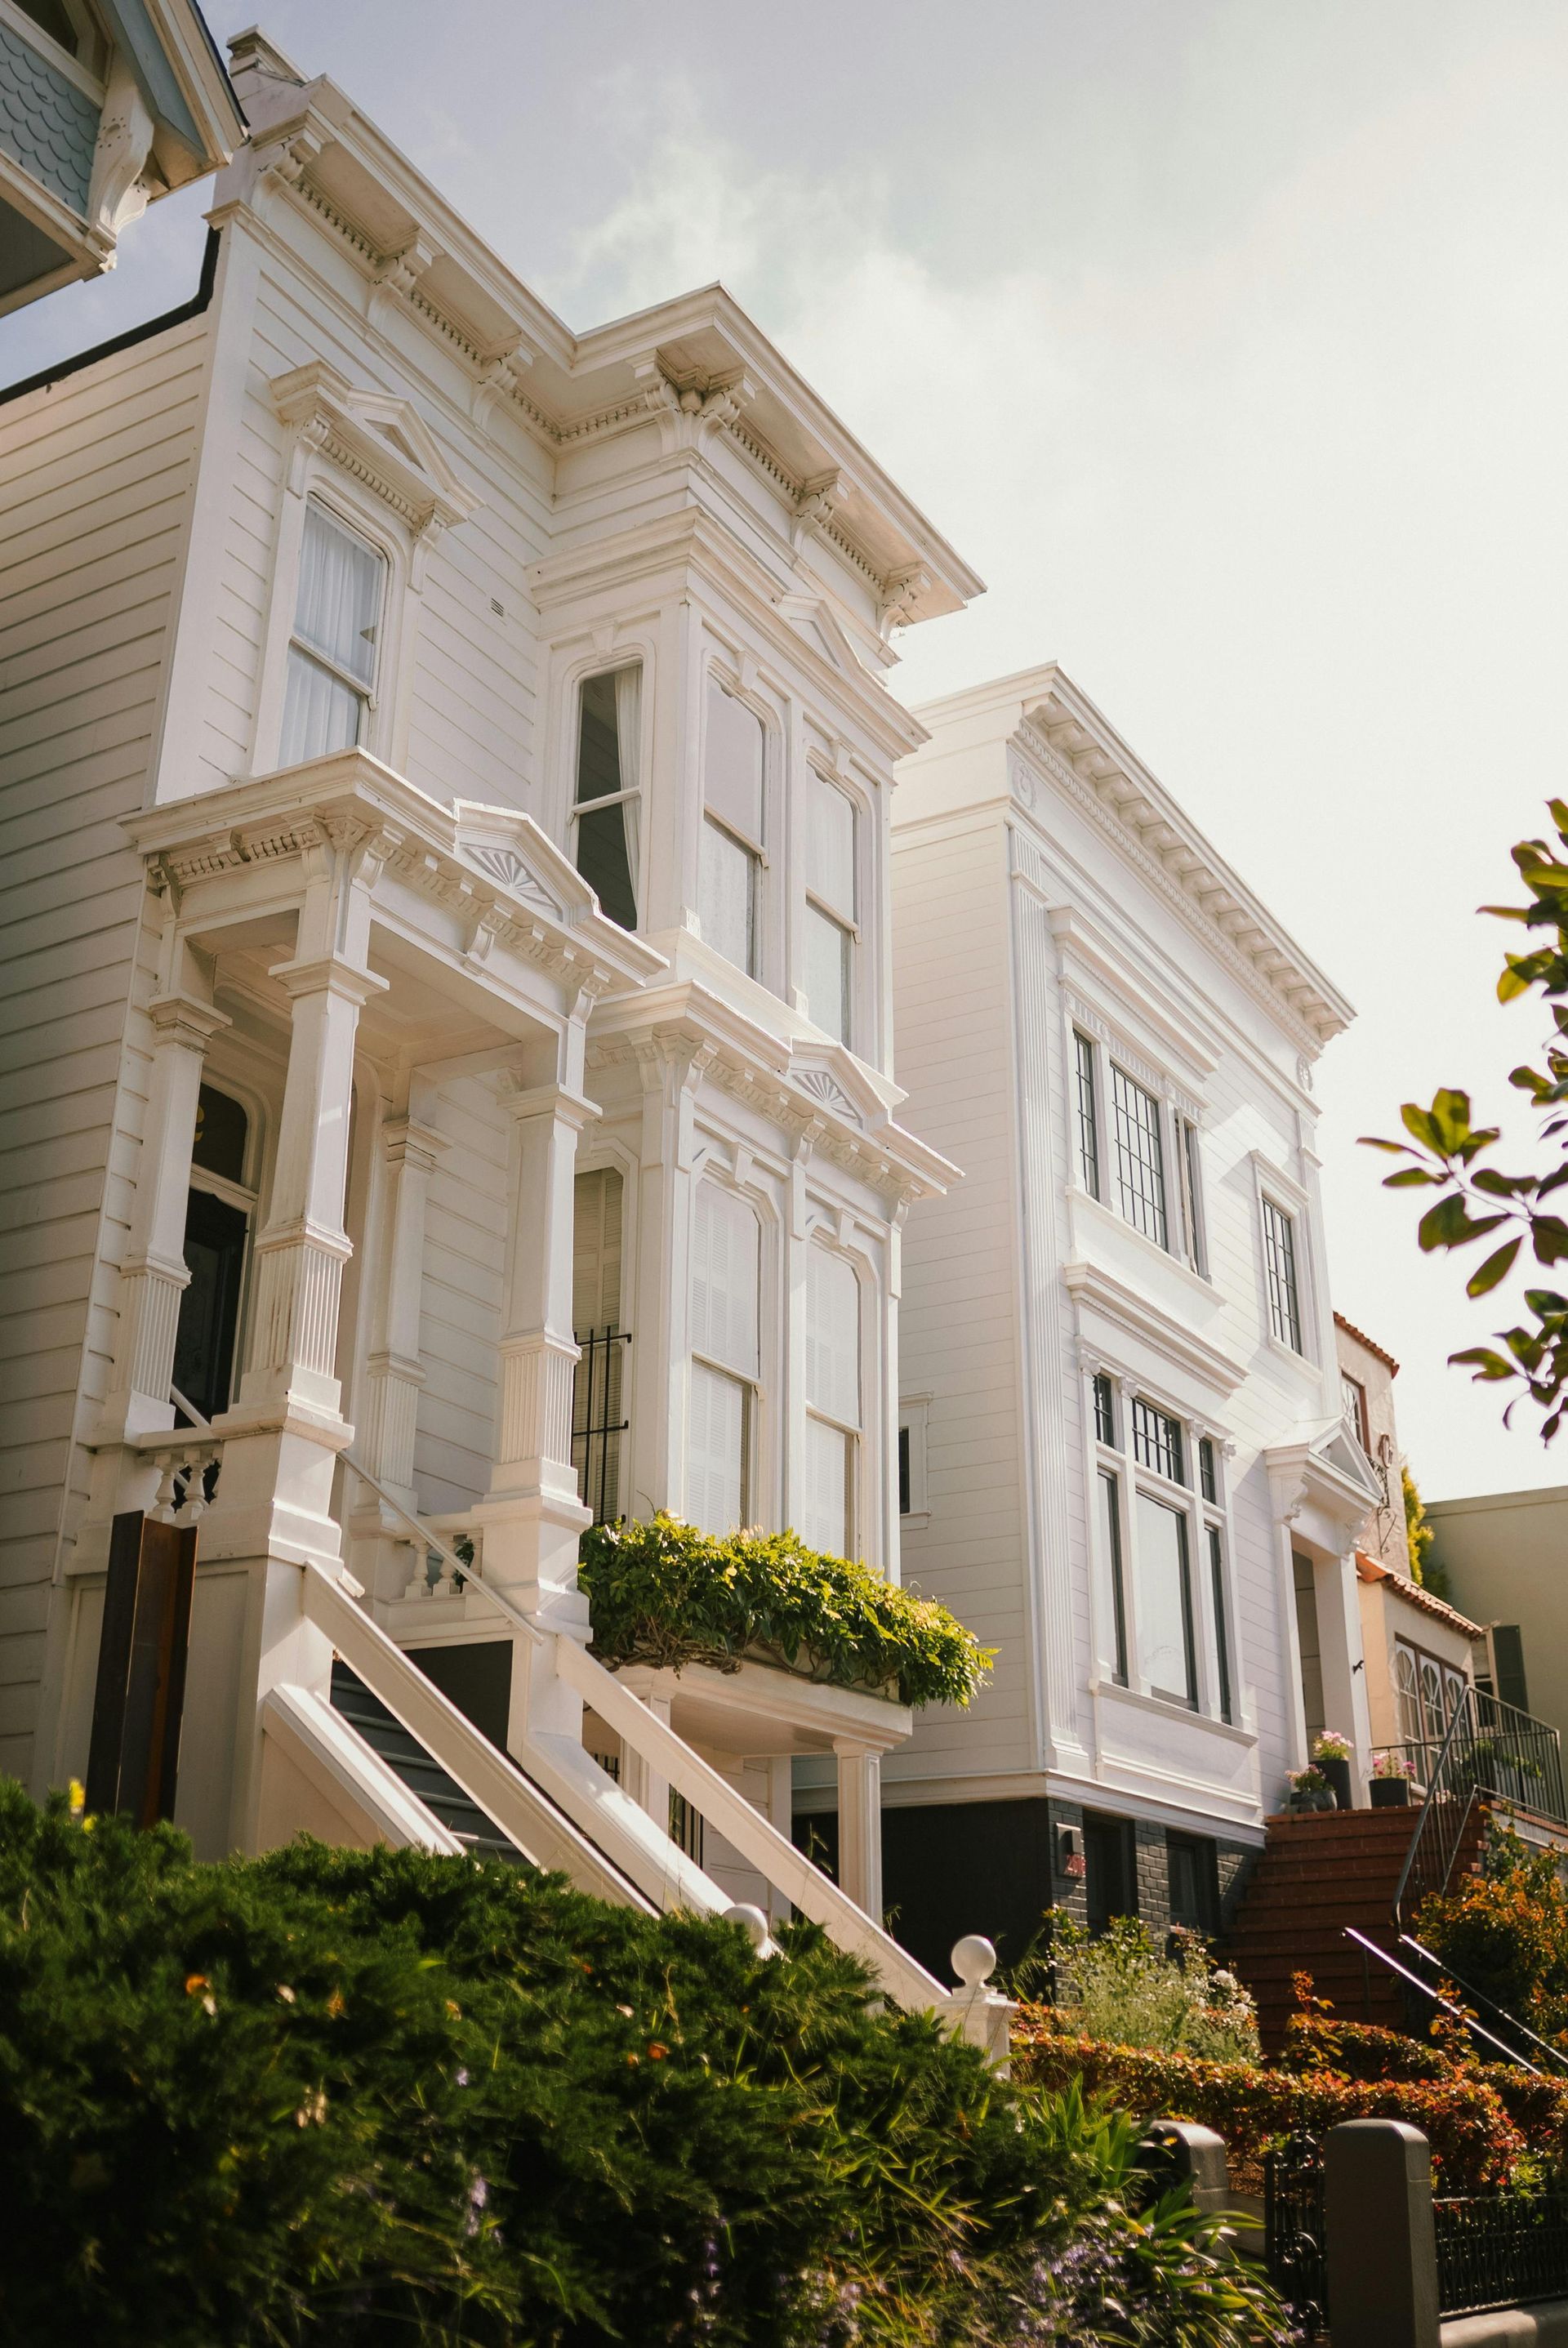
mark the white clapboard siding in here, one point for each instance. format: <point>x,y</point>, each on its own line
<point>93,482</point>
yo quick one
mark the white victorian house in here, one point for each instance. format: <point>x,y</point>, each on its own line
<point>1124,1462</point>
<point>450,770</point>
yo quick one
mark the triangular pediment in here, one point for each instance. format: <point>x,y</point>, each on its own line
<point>831,1076</point>
<point>384,440</point>
<point>510,850</point>
<point>812,617</point>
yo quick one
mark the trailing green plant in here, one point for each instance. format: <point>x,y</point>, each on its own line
<point>662,1592</point>
<point>373,2096</point>
<point>1119,1987</point>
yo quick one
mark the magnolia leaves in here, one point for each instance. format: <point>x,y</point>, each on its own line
<point>1477,1200</point>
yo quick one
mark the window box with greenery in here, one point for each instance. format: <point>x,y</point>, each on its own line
<point>663,1594</point>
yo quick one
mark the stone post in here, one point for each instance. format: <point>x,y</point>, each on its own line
<point>860,1824</point>
<point>1382,2244</point>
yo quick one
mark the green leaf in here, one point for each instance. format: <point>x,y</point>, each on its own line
<point>1496,1267</point>
<point>1411,1177</point>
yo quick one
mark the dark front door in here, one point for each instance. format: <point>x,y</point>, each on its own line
<point>210,1308</point>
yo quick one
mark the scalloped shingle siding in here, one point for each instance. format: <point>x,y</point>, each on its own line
<point>47,123</point>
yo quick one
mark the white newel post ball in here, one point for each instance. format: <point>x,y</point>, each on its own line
<point>751,1920</point>
<point>973,1961</point>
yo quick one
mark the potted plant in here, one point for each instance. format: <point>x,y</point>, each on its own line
<point>1390,1781</point>
<point>1332,1753</point>
<point>1310,1790</point>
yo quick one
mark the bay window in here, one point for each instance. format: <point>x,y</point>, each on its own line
<point>729,863</point>
<point>830,907</point>
<point>832,1433</point>
<point>333,648</point>
<point>726,1265</point>
<point>606,801</point>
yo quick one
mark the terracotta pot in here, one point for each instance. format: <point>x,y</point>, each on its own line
<point>1391,1793</point>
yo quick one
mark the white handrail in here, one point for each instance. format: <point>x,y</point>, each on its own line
<point>755,1837</point>
<point>449,1557</point>
<point>524,1814</point>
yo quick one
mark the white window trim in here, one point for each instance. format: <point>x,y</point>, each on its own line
<point>386,732</point>
<point>625,648</point>
<point>1272,1182</point>
<point>774,735</point>
<point>1174,1104</point>
<point>854,929</point>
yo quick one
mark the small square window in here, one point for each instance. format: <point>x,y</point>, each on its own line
<point>1157,1441</point>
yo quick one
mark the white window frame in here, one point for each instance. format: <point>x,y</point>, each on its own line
<point>754,1390</point>
<point>86,73</point>
<point>637,797</point>
<point>1185,1242</point>
<point>914,1421</point>
<point>1273,1184</point>
<point>849,925</point>
<point>716,675</point>
<point>855,1512</point>
<point>367,515</point>
<point>366,691</point>
<point>1116,1603</point>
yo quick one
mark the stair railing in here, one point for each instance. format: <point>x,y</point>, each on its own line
<point>1477,2030</point>
<point>1452,1797</point>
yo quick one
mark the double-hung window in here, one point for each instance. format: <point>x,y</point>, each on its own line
<point>1086,1100</point>
<point>832,1402</point>
<point>1139,1155</point>
<point>606,800</point>
<point>829,907</point>
<point>729,864</point>
<point>1355,1401</point>
<point>722,1408</point>
<point>1280,1269</point>
<point>332,658</point>
<point>1193,1246</point>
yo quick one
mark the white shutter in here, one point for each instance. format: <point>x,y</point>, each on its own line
<point>724,1268</point>
<point>832,1336</point>
<point>596,1251</point>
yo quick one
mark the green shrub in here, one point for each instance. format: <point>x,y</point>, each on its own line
<point>664,1593</point>
<point>1537,2104</point>
<point>1474,2143</point>
<point>1503,1931</point>
<point>1120,1988</point>
<point>375,2096</point>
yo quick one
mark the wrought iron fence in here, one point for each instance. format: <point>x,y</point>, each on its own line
<point>1491,1750</point>
<point>599,1420</point>
<point>1294,2230</point>
<point>1501,2250</point>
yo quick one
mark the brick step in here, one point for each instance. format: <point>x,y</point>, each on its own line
<point>1332,1828</point>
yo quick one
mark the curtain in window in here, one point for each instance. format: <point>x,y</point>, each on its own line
<point>628,743</point>
<point>832,1389</point>
<point>827,1503</point>
<point>732,763</point>
<point>1164,1601</point>
<point>332,659</point>
<point>725,895</point>
<point>725,1250</point>
<point>831,847</point>
<point>596,1250</point>
<point>715,1499</point>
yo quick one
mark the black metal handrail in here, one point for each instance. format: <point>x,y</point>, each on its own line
<point>1500,2249</point>
<point>1491,1750</point>
<point>1519,2032</point>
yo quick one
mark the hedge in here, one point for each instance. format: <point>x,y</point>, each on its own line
<point>374,2096</point>
<point>1474,2142</point>
<point>664,1593</point>
<point>1538,2106</point>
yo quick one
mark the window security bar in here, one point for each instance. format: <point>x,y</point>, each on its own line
<point>598,1419</point>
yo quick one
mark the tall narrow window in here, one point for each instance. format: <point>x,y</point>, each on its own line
<point>1140,1156</point>
<point>724,1272</point>
<point>1110,1520</point>
<point>1208,1475</point>
<point>331,652</point>
<point>1279,1259</point>
<point>1354,1398</point>
<point>1088,1114</point>
<point>833,1403</point>
<point>1104,1409</point>
<point>606,802</point>
<point>730,858</point>
<point>1165,1653</point>
<point>599,1422</point>
<point>1191,1195</point>
<point>1221,1625</point>
<point>830,907</point>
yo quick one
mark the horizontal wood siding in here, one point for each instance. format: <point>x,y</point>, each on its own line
<point>93,476</point>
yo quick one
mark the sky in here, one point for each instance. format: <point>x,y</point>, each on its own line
<point>1226,338</point>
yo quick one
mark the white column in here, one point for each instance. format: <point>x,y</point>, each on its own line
<point>860,1824</point>
<point>393,1372</point>
<point>154,1274</point>
<point>670,1068</point>
<point>531,1516</point>
<point>781,1818</point>
<point>641,1780</point>
<point>301,1253</point>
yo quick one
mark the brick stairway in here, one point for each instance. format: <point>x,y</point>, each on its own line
<point>1317,1874</point>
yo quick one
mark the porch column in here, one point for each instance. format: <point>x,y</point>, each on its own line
<point>394,1371</point>
<point>154,1274</point>
<point>272,1513</point>
<point>646,1787</point>
<point>531,1516</point>
<point>860,1824</point>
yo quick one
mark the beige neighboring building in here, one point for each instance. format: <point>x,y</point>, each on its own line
<point>1419,1650</point>
<point>1504,1553</point>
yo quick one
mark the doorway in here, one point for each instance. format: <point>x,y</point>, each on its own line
<point>1309,1641</point>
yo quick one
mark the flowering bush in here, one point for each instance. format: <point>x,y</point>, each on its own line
<point>1503,1931</point>
<point>1392,1765</point>
<point>664,1593</point>
<point>1328,1745</point>
<point>1120,1988</point>
<point>1474,2142</point>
